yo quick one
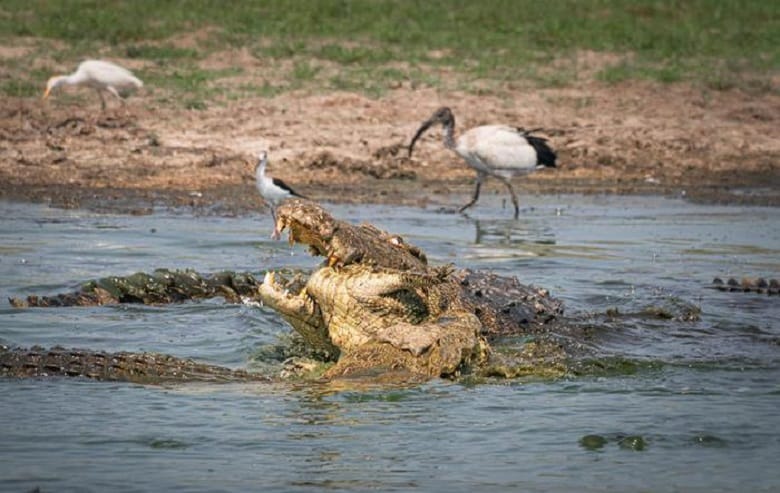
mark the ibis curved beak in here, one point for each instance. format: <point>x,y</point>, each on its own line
<point>46,93</point>
<point>425,126</point>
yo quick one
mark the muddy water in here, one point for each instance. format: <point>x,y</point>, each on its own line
<point>696,407</point>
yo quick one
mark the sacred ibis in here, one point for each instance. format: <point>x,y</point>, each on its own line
<point>500,151</point>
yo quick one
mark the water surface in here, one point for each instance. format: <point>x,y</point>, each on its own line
<point>697,412</point>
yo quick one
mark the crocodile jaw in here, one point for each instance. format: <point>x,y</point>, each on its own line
<point>307,223</point>
<point>299,309</point>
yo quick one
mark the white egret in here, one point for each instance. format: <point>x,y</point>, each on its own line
<point>99,75</point>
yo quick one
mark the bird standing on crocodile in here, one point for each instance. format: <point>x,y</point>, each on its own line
<point>500,151</point>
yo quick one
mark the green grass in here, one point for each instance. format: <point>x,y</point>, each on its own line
<point>627,70</point>
<point>19,88</point>
<point>196,87</point>
<point>159,52</point>
<point>304,70</point>
<point>718,43</point>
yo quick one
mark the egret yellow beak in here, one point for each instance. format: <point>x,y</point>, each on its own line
<point>51,84</point>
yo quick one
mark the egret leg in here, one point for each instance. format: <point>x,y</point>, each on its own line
<point>115,93</point>
<point>102,99</point>
<point>119,97</point>
<point>480,179</point>
<point>514,195</point>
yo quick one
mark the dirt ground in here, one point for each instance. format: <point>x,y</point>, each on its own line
<point>638,138</point>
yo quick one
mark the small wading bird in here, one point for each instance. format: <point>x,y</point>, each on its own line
<point>273,190</point>
<point>500,151</point>
<point>99,75</point>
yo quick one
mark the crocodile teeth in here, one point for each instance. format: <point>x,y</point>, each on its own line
<point>290,234</point>
<point>251,302</point>
<point>269,278</point>
<point>279,225</point>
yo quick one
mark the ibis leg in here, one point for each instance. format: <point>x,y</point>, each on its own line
<point>514,196</point>
<point>480,179</point>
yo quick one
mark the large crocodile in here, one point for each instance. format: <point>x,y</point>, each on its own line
<point>374,306</point>
<point>378,303</point>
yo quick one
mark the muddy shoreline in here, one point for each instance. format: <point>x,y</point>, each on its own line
<point>241,199</point>
<point>636,138</point>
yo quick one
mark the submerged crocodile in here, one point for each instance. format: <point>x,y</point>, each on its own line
<point>374,306</point>
<point>159,287</point>
<point>122,366</point>
<point>748,285</point>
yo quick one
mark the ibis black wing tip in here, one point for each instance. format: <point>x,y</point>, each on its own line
<point>544,153</point>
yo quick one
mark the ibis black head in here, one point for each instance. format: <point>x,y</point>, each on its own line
<point>443,115</point>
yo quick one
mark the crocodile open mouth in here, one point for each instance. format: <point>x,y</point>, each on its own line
<point>314,235</point>
<point>278,286</point>
<point>270,280</point>
<point>291,299</point>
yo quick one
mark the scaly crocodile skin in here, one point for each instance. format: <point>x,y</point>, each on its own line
<point>375,306</point>
<point>378,303</point>
<point>748,285</point>
<point>145,368</point>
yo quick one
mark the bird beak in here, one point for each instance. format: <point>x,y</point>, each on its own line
<point>46,93</point>
<point>425,126</point>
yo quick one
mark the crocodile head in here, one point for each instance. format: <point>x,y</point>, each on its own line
<point>343,243</point>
